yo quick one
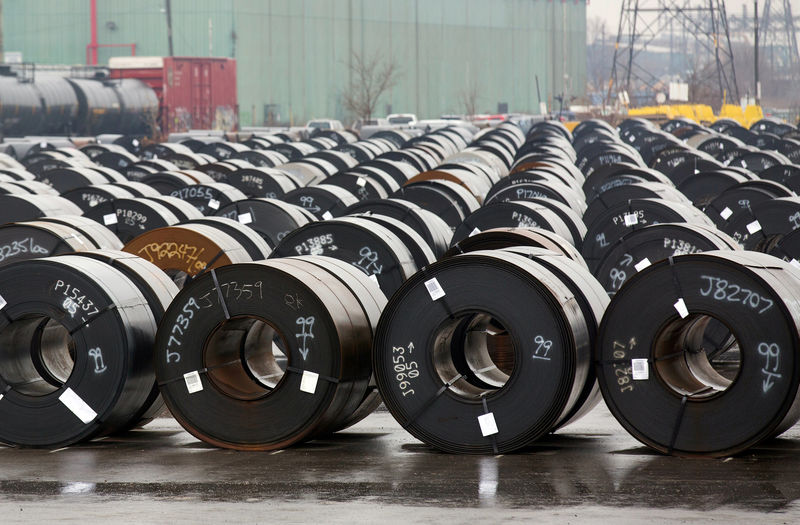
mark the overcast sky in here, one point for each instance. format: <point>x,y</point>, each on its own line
<point>609,9</point>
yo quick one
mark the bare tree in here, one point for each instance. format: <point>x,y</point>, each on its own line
<point>152,124</point>
<point>469,97</point>
<point>370,78</point>
<point>599,53</point>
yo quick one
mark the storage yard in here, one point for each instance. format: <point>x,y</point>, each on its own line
<point>469,236</point>
<point>211,317</point>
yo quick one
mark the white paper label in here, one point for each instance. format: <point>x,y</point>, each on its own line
<point>488,424</point>
<point>327,216</point>
<point>77,406</point>
<point>640,368</point>
<point>361,181</point>
<point>308,383</point>
<point>680,307</point>
<point>110,219</point>
<point>213,204</point>
<point>245,218</point>
<point>631,219</point>
<point>434,289</point>
<point>754,227</point>
<point>727,212</point>
<point>3,302</point>
<point>373,278</point>
<point>641,265</point>
<point>474,231</point>
<point>193,382</point>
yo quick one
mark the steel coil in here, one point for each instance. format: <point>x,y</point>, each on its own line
<point>77,338</point>
<point>676,393</point>
<point>371,247</point>
<point>264,355</point>
<point>434,368</point>
<point>187,249</point>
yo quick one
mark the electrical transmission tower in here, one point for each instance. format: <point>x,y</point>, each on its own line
<point>778,49</point>
<point>659,41</point>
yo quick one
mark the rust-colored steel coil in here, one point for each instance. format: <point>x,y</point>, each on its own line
<point>188,249</point>
<point>545,162</point>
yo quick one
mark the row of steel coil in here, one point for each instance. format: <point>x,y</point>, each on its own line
<point>489,287</point>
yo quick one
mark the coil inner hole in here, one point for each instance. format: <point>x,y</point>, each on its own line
<point>37,355</point>
<point>246,357</point>
<point>477,347</point>
<point>697,357</point>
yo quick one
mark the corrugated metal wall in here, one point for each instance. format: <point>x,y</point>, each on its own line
<point>293,54</point>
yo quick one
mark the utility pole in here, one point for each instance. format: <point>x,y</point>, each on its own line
<point>169,27</point>
<point>646,22</point>
<point>2,59</point>
<point>756,86</point>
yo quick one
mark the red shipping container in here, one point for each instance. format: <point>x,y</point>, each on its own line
<point>193,92</point>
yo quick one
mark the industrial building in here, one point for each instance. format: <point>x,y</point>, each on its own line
<point>293,55</point>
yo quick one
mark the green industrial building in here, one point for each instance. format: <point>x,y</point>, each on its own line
<point>293,55</point>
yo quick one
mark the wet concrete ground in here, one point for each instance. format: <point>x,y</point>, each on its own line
<point>590,472</point>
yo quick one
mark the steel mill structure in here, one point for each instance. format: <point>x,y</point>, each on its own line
<point>439,46</point>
